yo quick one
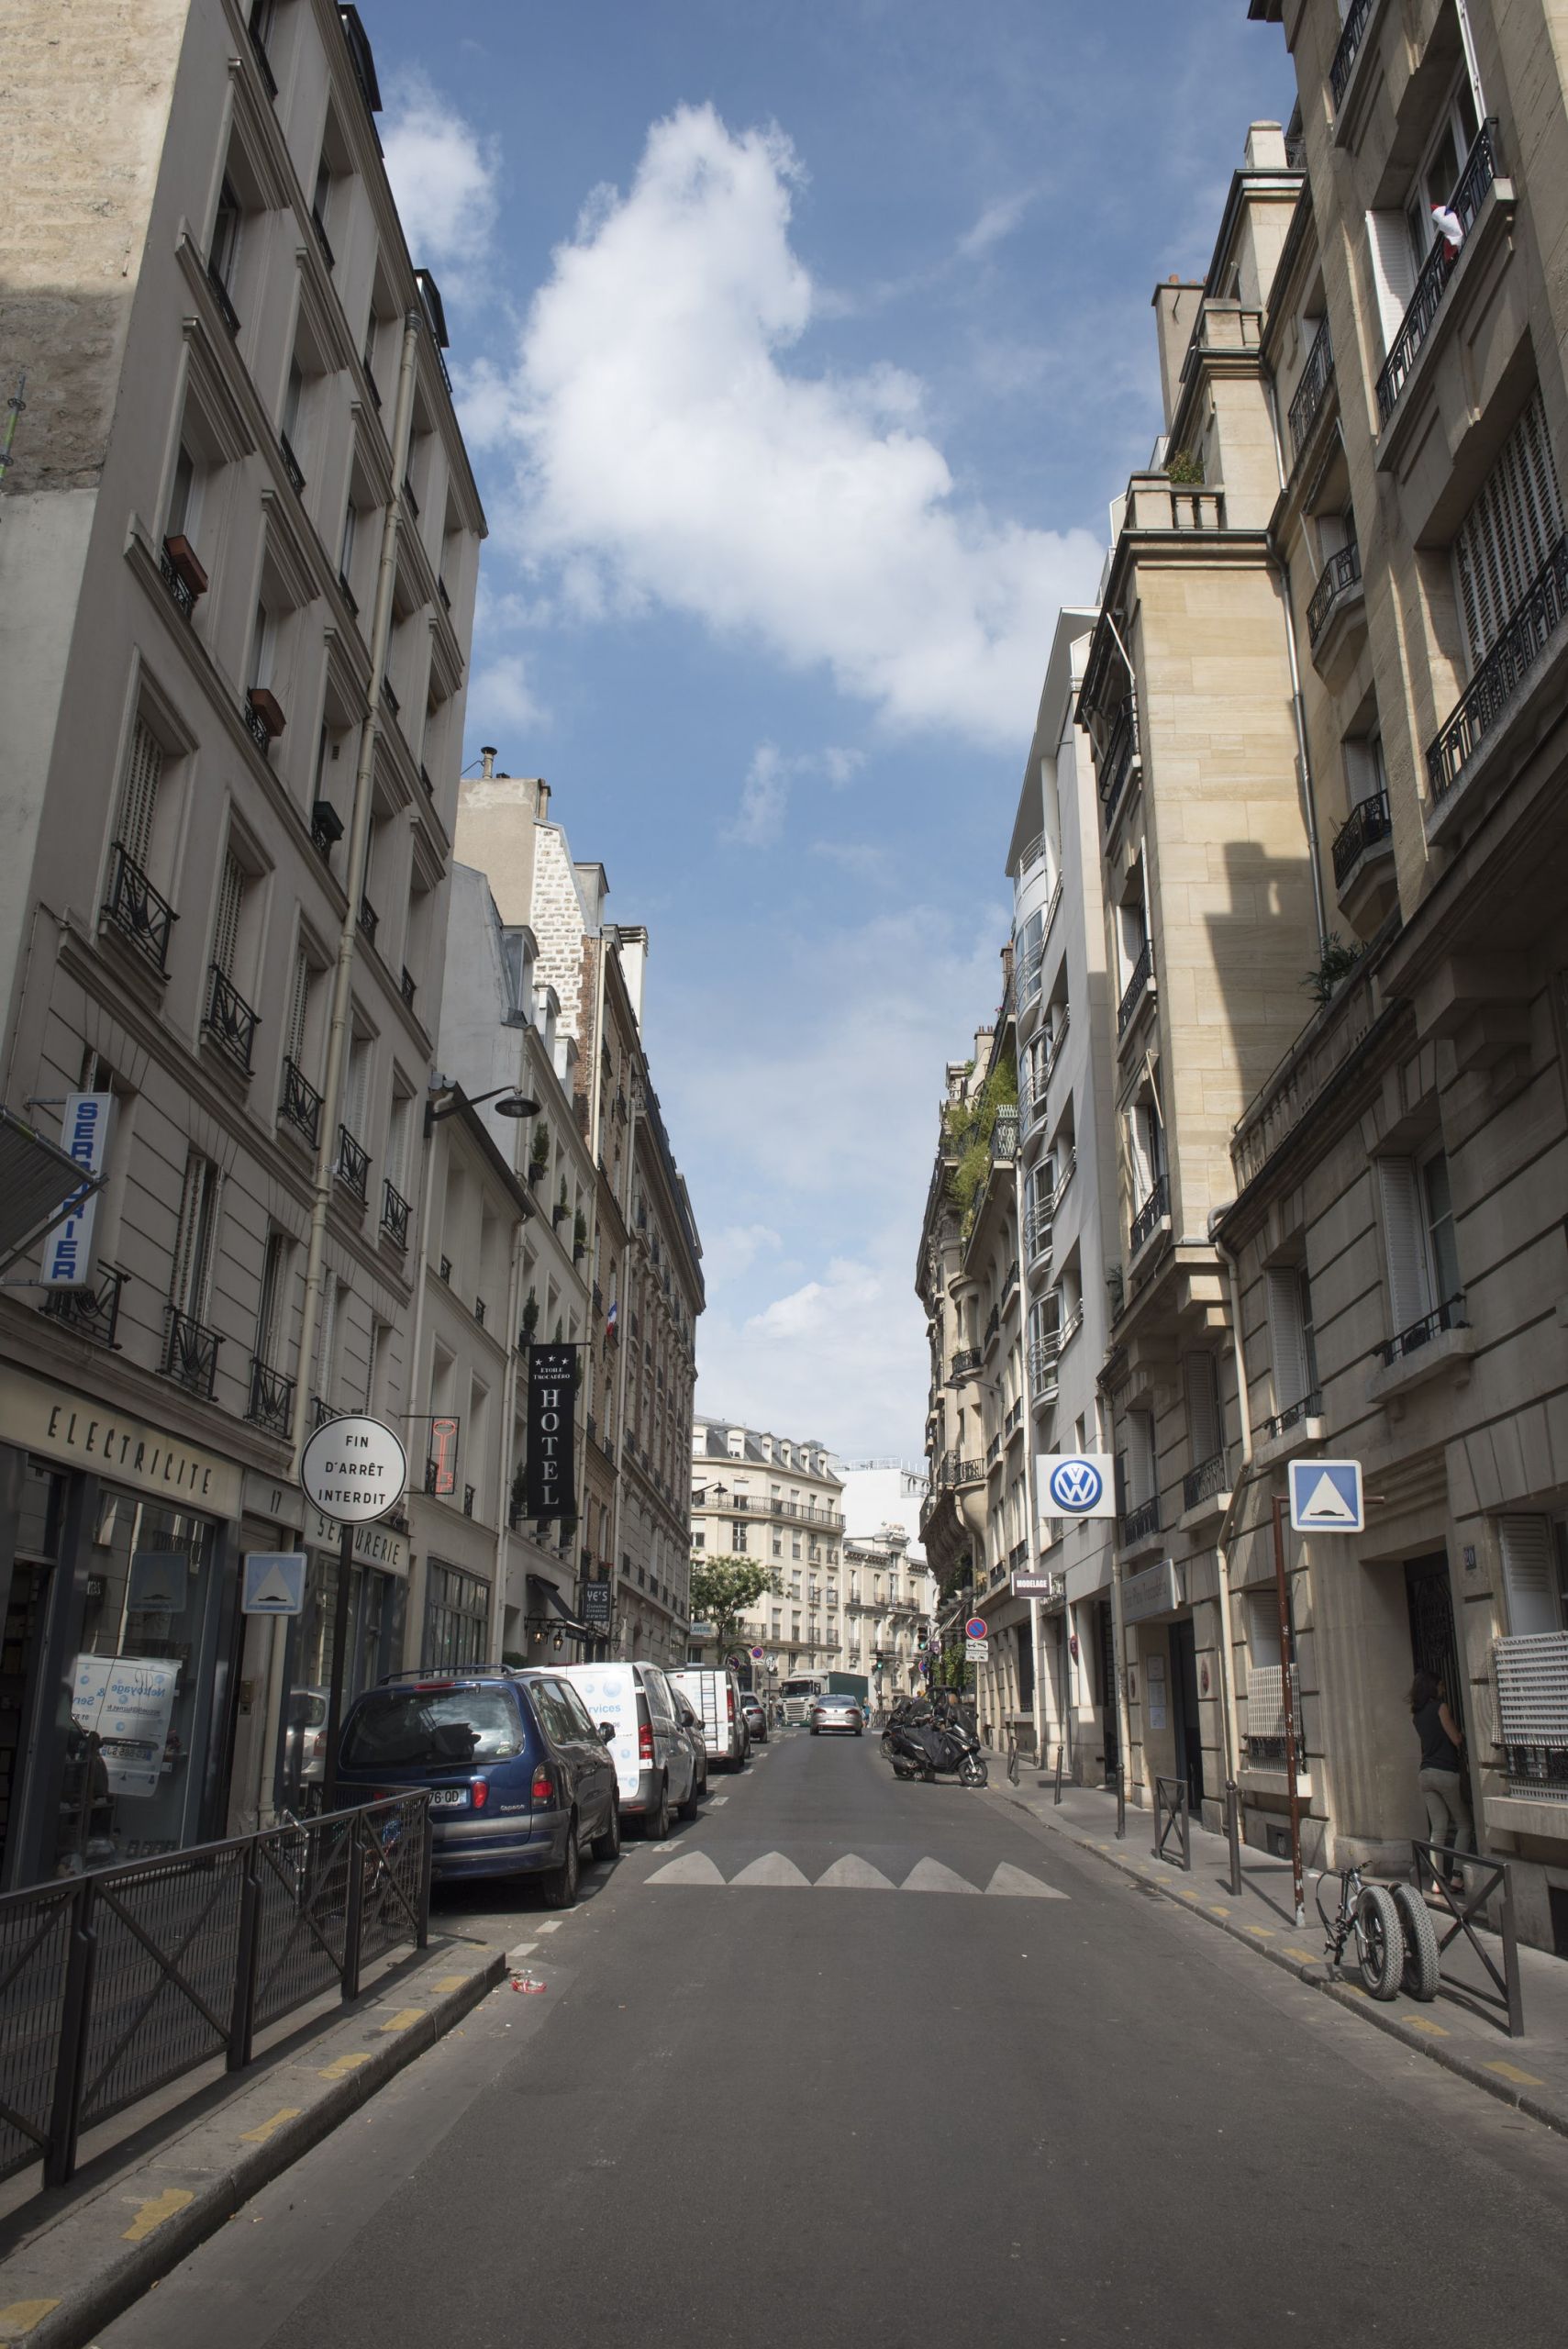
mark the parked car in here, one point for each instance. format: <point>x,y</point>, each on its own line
<point>519,1774</point>
<point>691,1730</point>
<point>714,1693</point>
<point>656,1768</point>
<point>835,1711</point>
<point>756,1714</point>
<point>304,1747</point>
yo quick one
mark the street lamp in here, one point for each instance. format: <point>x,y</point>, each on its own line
<point>509,1102</point>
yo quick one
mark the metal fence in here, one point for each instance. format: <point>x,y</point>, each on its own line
<point>1171,1816</point>
<point>1502,1992</point>
<point>116,1983</point>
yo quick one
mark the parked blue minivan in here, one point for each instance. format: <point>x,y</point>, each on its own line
<point>519,1777</point>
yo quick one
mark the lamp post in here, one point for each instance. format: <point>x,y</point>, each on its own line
<point>509,1102</point>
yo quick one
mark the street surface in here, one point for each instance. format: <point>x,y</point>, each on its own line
<point>924,2101</point>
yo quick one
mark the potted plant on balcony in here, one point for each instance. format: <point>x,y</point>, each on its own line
<point>538,1156</point>
<point>579,1237</point>
<point>530,1315</point>
<point>185,564</point>
<point>562,1207</point>
<point>268,708</point>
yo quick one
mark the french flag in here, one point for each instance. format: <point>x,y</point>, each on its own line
<point>612,1318</point>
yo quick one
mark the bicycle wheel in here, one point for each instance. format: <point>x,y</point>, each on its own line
<point>1421,1958</point>
<point>1380,1942</point>
<point>1013,1764</point>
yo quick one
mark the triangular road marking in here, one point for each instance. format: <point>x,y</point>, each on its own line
<point>772,1868</point>
<point>1328,1505</point>
<point>696,1868</point>
<point>930,1875</point>
<point>852,1874</point>
<point>1009,1878</point>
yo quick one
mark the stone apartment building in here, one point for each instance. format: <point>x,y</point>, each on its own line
<point>643,1256</point>
<point>238,548</point>
<point>1399,1178</point>
<point>888,1612</point>
<point>777,1499</point>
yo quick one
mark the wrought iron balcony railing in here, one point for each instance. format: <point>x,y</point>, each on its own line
<point>1294,1415</point>
<point>1346,46</point>
<point>222,297</point>
<point>1480,171</point>
<point>1202,1483</point>
<point>394,1217</point>
<point>264,63</point>
<point>256,727</point>
<point>322,239</point>
<point>1115,763</point>
<point>1449,1315</point>
<point>1156,1205</point>
<point>1313,389</point>
<point>370,922</point>
<point>229,1020</point>
<point>181,589</point>
<point>407,986</point>
<point>271,1402</point>
<point>301,1104</point>
<point>91,1313</point>
<point>136,910</point>
<point>189,1353</point>
<point>1043,1352</point>
<point>1005,1135</point>
<point>1367,822</point>
<point>1133,992</point>
<point>1338,575</point>
<point>1137,1524</point>
<point>1532,1712</point>
<point>353,1166</point>
<point>292,466</point>
<point>1521,645</point>
<point>965,1362</point>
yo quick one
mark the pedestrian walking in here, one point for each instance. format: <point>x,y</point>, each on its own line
<point>1441,1777</point>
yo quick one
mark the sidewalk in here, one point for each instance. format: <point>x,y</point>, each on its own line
<point>77,2256</point>
<point>1455,2031</point>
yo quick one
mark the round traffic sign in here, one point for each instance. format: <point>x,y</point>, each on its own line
<point>976,1628</point>
<point>354,1470</point>
<point>757,1655</point>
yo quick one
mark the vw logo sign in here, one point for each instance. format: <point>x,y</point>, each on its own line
<point>1075,1486</point>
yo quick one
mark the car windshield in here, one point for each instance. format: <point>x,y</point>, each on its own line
<point>409,1729</point>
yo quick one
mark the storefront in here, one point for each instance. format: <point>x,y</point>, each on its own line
<point>118,1678</point>
<point>378,1593</point>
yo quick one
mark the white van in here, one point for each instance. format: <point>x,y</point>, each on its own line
<point>714,1694</point>
<point>657,1767</point>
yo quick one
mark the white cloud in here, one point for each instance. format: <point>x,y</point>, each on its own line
<point>995,223</point>
<point>446,180</point>
<point>665,437</point>
<point>735,1249</point>
<point>759,819</point>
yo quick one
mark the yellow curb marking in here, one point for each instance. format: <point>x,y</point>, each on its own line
<point>259,2135</point>
<point>152,2215</point>
<point>451,1982</point>
<point>1352,1989</point>
<point>22,2315</point>
<point>344,2064</point>
<point>1424,2022</point>
<point>1265,1933</point>
<point>1512,2072</point>
<point>1219,1912</point>
<point>1306,1955</point>
<point>405,2019</point>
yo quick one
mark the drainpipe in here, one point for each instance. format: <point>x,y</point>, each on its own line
<point>342,985</point>
<point>504,1448</point>
<point>1031,1498</point>
<point>1222,1560</point>
<point>623,1323</point>
<point>1310,796</point>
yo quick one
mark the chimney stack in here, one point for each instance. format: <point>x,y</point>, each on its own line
<point>488,753</point>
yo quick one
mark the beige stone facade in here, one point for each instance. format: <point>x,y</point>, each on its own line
<point>777,1500</point>
<point>238,559</point>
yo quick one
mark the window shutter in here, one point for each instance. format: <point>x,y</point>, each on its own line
<point>1293,1379</point>
<point>138,802</point>
<point>354,1090</point>
<point>1407,1287</point>
<point>299,1006</point>
<point>1362,779</point>
<point>1203,1409</point>
<point>1392,270</point>
<point>1510,529</point>
<point>230,896</point>
<point>191,1274</point>
<point>1527,1574</point>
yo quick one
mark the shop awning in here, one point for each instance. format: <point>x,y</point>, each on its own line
<point>556,1605</point>
<point>38,1185</point>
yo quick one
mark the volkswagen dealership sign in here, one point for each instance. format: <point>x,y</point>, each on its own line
<point>1075,1484</point>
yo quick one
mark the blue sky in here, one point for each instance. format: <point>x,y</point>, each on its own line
<point>801,350</point>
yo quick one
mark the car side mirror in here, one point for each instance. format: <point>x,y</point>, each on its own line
<point>607,1732</point>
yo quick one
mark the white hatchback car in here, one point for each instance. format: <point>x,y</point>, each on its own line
<point>657,1767</point>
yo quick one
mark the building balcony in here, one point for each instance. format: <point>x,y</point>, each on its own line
<point>1488,699</point>
<point>1005,1136</point>
<point>954,1474</point>
<point>292,466</point>
<point>1116,762</point>
<point>1039,1225</point>
<point>228,1019</point>
<point>1263,1712</point>
<point>301,1105</point>
<point>369,921</point>
<point>1449,1315</point>
<point>1352,34</point>
<point>134,907</point>
<point>1043,1373</point>
<point>353,1166</point>
<point>395,1218</point>
<point>1289,1431</point>
<point>1531,1676</point>
<point>190,1354</point>
<point>1474,184</point>
<point>1310,402</point>
<point>90,1312</point>
<point>270,1404</point>
<point>1138,1526</point>
<point>1336,617</point>
<point>1154,1212</point>
<point>1140,985</point>
<point>1206,1489</point>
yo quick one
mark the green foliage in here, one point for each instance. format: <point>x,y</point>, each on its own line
<point>723,1588</point>
<point>1338,961</point>
<point>967,1128</point>
<point>1184,471</point>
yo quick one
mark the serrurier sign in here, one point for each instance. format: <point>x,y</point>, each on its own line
<point>550,1482</point>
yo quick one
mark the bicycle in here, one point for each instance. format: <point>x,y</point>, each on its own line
<point>1397,1944</point>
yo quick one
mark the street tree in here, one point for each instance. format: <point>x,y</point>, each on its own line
<point>723,1588</point>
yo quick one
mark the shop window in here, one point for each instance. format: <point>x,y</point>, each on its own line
<point>457,1618</point>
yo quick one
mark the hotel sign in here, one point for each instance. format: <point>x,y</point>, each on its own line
<point>550,1484</point>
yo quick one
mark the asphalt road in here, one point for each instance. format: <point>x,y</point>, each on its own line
<point>773,2113</point>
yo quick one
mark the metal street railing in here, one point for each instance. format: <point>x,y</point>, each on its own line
<point>1464,1907</point>
<point>1170,1819</point>
<point>116,1983</point>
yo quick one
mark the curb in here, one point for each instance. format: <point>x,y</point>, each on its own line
<point>1317,1978</point>
<point>73,2321</point>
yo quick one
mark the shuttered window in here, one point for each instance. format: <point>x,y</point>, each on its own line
<point>1509,533</point>
<point>139,800</point>
<point>1527,1576</point>
<point>1290,1336</point>
<point>1392,270</point>
<point>230,898</point>
<point>1409,1292</point>
<point>299,1006</point>
<point>1203,1409</point>
<point>195,1241</point>
<point>269,1306</point>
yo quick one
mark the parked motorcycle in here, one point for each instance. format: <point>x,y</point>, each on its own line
<point>930,1750</point>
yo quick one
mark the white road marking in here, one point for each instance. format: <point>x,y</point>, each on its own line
<point>716,1802</point>
<point>1009,1878</point>
<point>930,1875</point>
<point>696,1868</point>
<point>772,1868</point>
<point>854,1874</point>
